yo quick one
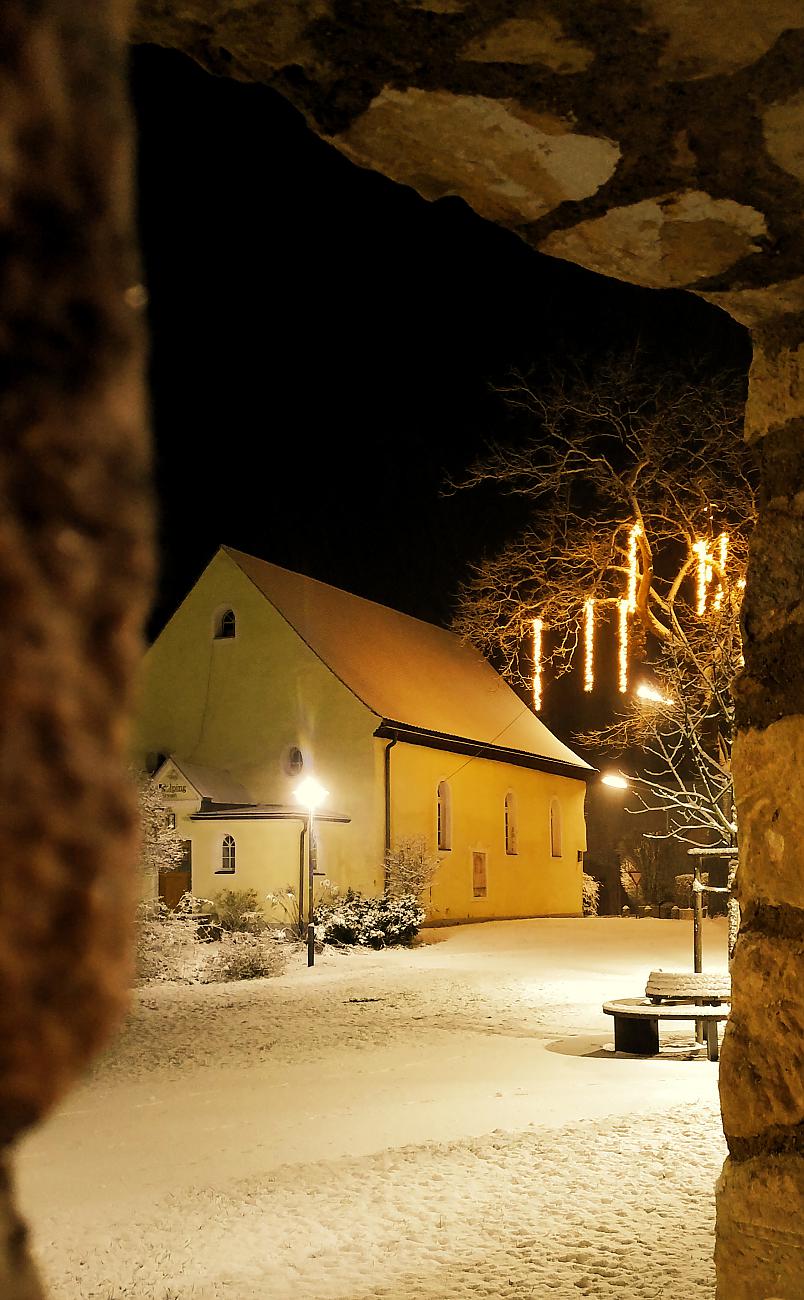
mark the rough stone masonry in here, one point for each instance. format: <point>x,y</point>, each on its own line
<point>74,555</point>
<point>658,141</point>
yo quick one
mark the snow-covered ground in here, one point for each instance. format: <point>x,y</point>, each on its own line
<point>445,1122</point>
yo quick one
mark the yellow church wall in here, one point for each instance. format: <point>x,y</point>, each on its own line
<point>530,882</point>
<point>240,704</point>
<point>266,857</point>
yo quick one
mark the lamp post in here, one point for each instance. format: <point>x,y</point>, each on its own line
<point>312,795</point>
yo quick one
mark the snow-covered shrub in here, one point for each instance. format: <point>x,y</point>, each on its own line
<point>683,890</point>
<point>591,894</point>
<point>167,945</point>
<point>286,902</point>
<point>241,955</point>
<point>239,910</point>
<point>371,922</point>
<point>410,867</point>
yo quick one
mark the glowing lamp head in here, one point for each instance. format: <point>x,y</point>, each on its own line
<point>310,793</point>
<point>647,692</point>
<point>615,779</point>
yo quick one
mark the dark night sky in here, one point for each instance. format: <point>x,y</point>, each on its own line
<point>324,341</point>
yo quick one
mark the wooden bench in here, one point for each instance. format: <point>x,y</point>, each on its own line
<point>636,1023</point>
<point>688,986</point>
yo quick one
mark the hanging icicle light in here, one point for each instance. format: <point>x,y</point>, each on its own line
<point>636,532</point>
<point>723,553</point>
<point>702,557</point>
<point>589,644</point>
<point>623,646</point>
<point>537,664</point>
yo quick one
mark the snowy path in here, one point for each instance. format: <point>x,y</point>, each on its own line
<point>466,1132</point>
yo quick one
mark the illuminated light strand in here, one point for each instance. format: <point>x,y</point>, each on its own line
<point>636,532</point>
<point>623,646</point>
<point>537,664</point>
<point>723,554</point>
<point>702,556</point>
<point>589,644</point>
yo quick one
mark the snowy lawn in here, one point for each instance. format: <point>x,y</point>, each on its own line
<point>445,1122</point>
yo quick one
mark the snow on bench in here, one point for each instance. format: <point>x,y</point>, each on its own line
<point>688,986</point>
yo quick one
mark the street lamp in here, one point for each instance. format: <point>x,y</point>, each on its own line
<point>616,780</point>
<point>647,692</point>
<point>312,795</point>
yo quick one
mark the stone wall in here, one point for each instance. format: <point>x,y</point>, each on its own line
<point>74,555</point>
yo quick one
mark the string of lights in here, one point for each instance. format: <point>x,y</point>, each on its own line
<point>623,646</point>
<point>589,644</point>
<point>706,565</point>
<point>537,664</point>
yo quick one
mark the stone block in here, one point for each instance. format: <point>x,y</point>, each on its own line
<point>760,1229</point>
<point>762,1063</point>
<point>769,782</point>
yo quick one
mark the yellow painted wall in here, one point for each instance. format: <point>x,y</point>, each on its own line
<point>529,883</point>
<point>239,705</point>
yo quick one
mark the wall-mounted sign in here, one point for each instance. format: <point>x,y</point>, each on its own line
<point>172,789</point>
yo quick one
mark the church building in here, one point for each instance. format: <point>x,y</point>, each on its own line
<point>264,677</point>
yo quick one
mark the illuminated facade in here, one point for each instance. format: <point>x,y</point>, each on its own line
<point>263,676</point>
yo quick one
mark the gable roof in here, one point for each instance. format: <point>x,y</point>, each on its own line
<point>416,677</point>
<point>211,783</point>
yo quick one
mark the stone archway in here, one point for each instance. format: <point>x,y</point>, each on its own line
<point>650,142</point>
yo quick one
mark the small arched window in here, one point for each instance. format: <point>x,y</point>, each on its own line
<point>555,828</point>
<point>226,626</point>
<point>228,855</point>
<point>444,817</point>
<point>510,823</point>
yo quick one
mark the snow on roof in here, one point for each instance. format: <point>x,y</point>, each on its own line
<point>211,783</point>
<point>404,670</point>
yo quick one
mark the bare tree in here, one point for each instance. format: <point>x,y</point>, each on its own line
<point>643,501</point>
<point>410,867</point>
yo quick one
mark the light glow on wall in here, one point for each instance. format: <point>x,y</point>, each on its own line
<point>537,664</point>
<point>623,646</point>
<point>588,644</point>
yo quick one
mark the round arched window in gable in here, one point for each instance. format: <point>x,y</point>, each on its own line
<point>294,760</point>
<point>225,625</point>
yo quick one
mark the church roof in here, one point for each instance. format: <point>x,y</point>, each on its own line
<point>420,680</point>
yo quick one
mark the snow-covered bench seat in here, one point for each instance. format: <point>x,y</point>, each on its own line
<point>688,986</point>
<point>636,1023</point>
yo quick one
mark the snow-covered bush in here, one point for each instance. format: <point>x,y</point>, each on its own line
<point>167,944</point>
<point>371,922</point>
<point>239,910</point>
<point>171,946</point>
<point>243,956</point>
<point>410,867</point>
<point>286,902</point>
<point>591,894</point>
<point>683,890</point>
